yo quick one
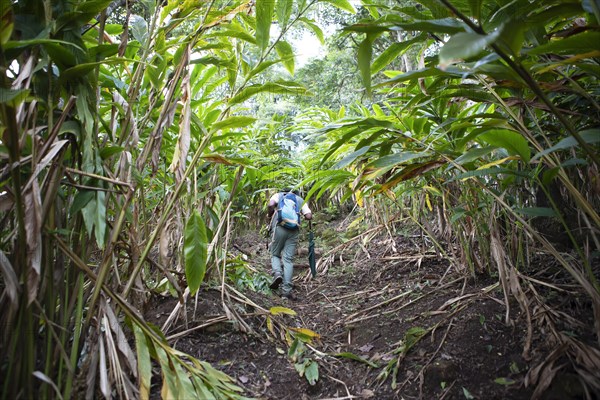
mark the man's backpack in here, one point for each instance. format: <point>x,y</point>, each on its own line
<point>288,211</point>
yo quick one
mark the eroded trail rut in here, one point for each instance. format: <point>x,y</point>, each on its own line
<point>392,321</point>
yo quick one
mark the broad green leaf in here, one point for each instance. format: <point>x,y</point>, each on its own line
<point>392,52</point>
<point>185,388</point>
<point>354,357</point>
<point>233,122</point>
<point>489,172</point>
<point>286,52</point>
<point>13,97</point>
<point>475,6</point>
<point>202,390</point>
<point>467,394</point>
<point>536,211</point>
<point>513,36</point>
<point>109,151</point>
<point>584,42</point>
<point>365,52</point>
<point>505,381</point>
<point>512,141</point>
<point>89,214</point>
<point>422,73</point>
<point>35,42</point>
<point>139,28</point>
<point>264,15</point>
<point>342,5</point>
<point>7,21</point>
<point>81,70</point>
<point>169,388</point>
<point>465,45</point>
<point>81,200</point>
<point>310,24</point>
<point>279,87</point>
<point>589,136</point>
<point>234,33</point>
<point>92,7</point>
<point>284,11</point>
<point>195,251</point>
<point>103,51</point>
<point>144,363</point>
<point>101,217</point>
<point>350,158</point>
<point>281,310</point>
<point>473,154</point>
<point>301,367</point>
<point>397,158</point>
<point>412,336</point>
<point>445,25</point>
<point>261,67</point>
<point>312,372</point>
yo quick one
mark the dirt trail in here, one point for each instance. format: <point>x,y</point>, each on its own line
<point>393,322</point>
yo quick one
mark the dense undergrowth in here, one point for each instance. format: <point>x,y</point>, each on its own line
<point>132,155</point>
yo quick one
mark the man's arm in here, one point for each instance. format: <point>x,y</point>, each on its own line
<point>271,208</point>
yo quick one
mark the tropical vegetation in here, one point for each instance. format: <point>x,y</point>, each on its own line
<point>137,137</point>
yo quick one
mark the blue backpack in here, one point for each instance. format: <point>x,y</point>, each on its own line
<point>288,211</point>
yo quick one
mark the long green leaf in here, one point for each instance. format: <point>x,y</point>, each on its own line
<point>351,157</point>
<point>577,44</point>
<point>195,251</point>
<point>144,362</point>
<point>312,372</point>
<point>489,172</point>
<point>100,217</point>
<point>392,52</point>
<point>279,87</point>
<point>342,5</point>
<point>284,11</point>
<point>512,141</point>
<point>365,52</point>
<point>395,159</point>
<point>473,154</point>
<point>310,24</point>
<point>264,17</point>
<point>170,388</point>
<point>465,45</point>
<point>589,136</point>
<point>286,52</point>
<point>233,122</point>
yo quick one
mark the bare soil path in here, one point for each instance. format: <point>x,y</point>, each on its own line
<point>393,322</point>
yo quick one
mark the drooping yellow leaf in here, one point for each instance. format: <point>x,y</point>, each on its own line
<point>498,162</point>
<point>281,310</point>
<point>306,332</point>
<point>428,202</point>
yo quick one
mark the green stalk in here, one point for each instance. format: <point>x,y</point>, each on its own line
<point>76,338</point>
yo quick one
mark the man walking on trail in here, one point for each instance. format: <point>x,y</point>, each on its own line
<point>284,213</point>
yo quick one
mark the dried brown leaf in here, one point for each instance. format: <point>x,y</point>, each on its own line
<point>121,339</point>
<point>124,168</point>
<point>183,142</point>
<point>105,387</point>
<point>33,234</point>
<point>545,379</point>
